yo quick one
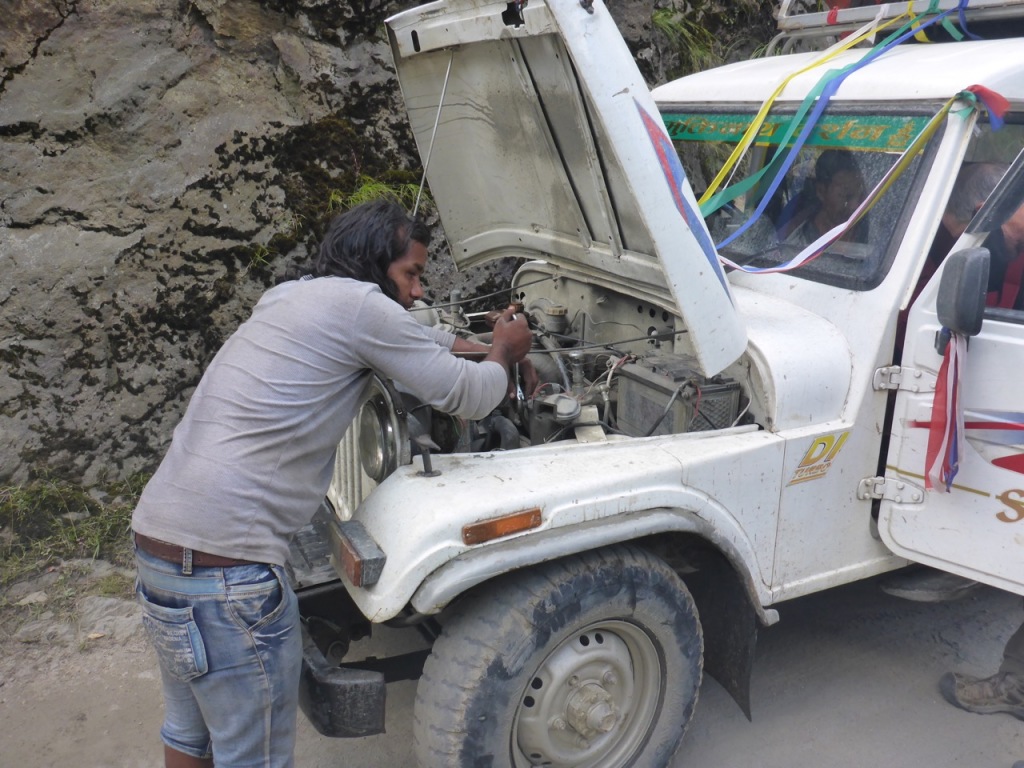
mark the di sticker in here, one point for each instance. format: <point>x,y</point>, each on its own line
<point>819,457</point>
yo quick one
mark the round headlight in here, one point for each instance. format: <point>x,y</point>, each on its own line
<point>376,440</point>
<point>383,436</point>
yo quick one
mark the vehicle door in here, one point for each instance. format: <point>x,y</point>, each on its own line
<point>976,527</point>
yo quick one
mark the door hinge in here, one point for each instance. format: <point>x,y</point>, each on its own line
<point>889,489</point>
<point>908,379</point>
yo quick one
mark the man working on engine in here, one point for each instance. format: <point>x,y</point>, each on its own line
<point>250,462</point>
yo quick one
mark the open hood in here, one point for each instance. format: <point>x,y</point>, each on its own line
<point>549,146</point>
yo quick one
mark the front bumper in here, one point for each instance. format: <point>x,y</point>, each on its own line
<point>338,701</point>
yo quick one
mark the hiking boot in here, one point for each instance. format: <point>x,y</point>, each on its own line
<point>1002,692</point>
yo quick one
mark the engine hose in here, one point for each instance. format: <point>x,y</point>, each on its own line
<point>552,346</point>
<point>547,369</point>
<point>507,432</point>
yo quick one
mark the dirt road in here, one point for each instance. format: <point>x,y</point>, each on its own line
<point>846,680</point>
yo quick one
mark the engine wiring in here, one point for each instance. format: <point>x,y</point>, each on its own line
<point>481,297</point>
<point>609,345</point>
<point>540,387</point>
<point>595,323</point>
<point>668,407</point>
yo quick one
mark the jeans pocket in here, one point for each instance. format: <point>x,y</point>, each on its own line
<point>175,636</point>
<point>257,604</point>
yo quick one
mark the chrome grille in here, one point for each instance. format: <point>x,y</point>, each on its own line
<point>350,485</point>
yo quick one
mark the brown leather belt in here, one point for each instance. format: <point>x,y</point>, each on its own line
<point>186,558</point>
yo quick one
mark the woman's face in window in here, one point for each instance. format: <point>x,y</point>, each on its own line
<point>839,197</point>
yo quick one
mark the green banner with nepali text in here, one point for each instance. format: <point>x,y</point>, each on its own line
<point>892,133</point>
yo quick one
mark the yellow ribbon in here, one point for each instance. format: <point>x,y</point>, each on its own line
<point>747,139</point>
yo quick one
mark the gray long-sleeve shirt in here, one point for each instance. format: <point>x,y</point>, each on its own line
<point>252,457</point>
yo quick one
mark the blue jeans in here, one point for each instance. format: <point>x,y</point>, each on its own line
<point>230,651</point>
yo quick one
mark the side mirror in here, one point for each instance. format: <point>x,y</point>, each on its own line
<point>964,283</point>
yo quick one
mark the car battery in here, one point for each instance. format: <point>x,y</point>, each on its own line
<point>648,386</point>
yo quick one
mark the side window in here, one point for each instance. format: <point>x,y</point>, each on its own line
<point>991,184</point>
<point>1005,240</point>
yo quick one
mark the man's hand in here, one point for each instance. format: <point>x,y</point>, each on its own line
<point>512,338</point>
<point>529,377</point>
<point>510,342</point>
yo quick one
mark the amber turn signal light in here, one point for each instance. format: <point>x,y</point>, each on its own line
<point>496,527</point>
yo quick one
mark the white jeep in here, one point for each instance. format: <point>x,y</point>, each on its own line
<point>728,416</point>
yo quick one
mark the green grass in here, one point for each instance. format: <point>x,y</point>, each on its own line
<point>707,33</point>
<point>115,585</point>
<point>260,256</point>
<point>375,189</point>
<point>694,43</point>
<point>49,520</point>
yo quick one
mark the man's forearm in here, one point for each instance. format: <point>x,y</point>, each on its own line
<point>502,354</point>
<point>470,349</point>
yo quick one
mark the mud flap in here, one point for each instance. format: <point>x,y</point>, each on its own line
<point>340,702</point>
<point>730,628</point>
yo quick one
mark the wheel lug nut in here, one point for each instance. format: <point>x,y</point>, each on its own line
<point>557,724</point>
<point>609,678</point>
<point>582,743</point>
<point>574,681</point>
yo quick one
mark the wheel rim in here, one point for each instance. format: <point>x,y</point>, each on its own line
<point>592,702</point>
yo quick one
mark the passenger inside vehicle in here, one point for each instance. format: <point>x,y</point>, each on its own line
<point>1005,244</point>
<point>827,200</point>
<point>1006,277</point>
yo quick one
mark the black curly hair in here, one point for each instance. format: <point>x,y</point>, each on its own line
<point>362,242</point>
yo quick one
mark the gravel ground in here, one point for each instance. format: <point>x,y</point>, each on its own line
<point>846,679</point>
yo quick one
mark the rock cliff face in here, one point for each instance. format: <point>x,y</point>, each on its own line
<point>159,163</point>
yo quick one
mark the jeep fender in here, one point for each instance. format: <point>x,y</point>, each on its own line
<point>723,589</point>
<point>594,495</point>
<point>479,565</point>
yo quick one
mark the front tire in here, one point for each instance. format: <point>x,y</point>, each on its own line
<point>593,661</point>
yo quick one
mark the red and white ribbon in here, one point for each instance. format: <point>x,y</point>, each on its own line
<point>946,433</point>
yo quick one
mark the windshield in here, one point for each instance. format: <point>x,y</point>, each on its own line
<point>775,218</point>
